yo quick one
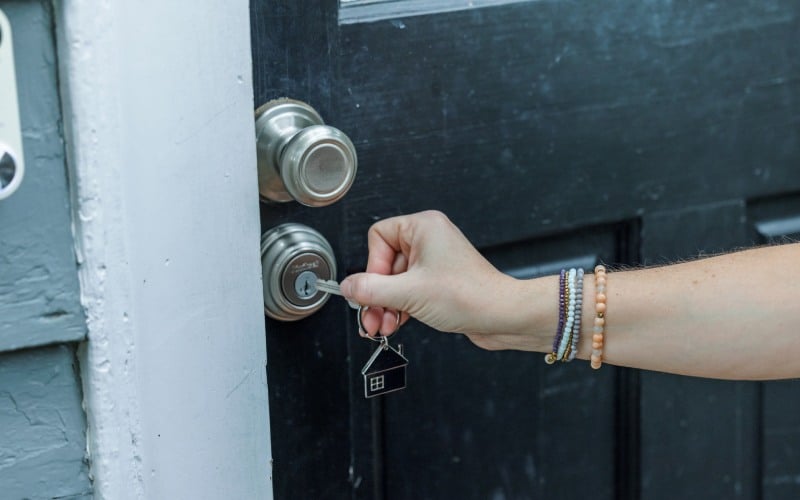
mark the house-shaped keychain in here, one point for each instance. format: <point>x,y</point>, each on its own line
<point>385,371</point>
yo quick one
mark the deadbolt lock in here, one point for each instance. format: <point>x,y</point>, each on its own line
<point>293,257</point>
<point>299,157</point>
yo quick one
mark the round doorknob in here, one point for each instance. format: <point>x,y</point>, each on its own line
<point>299,157</point>
<point>293,257</point>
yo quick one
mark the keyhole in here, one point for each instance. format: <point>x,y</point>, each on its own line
<point>306,284</point>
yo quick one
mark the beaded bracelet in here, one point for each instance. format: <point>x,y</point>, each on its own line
<point>550,358</point>
<point>598,337</point>
<point>576,329</point>
<point>570,321</point>
<point>570,300</point>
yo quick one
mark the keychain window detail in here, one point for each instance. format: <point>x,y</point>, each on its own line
<point>376,383</point>
<point>385,371</point>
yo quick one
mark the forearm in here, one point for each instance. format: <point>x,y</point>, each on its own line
<point>735,316</point>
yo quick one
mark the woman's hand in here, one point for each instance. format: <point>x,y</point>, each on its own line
<point>423,266</point>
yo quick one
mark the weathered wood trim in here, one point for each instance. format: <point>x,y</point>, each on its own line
<point>158,111</point>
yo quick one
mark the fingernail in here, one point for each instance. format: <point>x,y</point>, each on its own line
<point>346,287</point>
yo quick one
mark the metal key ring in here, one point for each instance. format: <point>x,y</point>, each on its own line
<point>363,331</point>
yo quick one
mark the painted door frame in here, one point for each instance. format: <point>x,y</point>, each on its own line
<point>158,122</point>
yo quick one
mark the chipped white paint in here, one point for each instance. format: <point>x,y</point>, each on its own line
<point>158,113</point>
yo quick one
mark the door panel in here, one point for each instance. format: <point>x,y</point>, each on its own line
<point>777,220</point>
<point>699,435</point>
<point>688,422</point>
<point>629,107</point>
<point>781,438</point>
<point>504,414</point>
<point>550,132</point>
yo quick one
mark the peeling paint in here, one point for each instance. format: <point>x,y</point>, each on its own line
<point>42,443</point>
<point>167,339</point>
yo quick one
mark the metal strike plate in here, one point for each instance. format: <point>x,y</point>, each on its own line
<point>12,163</point>
<point>293,257</point>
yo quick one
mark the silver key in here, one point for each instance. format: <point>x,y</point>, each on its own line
<point>332,287</point>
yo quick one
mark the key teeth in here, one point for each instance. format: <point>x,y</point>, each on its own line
<point>324,285</point>
<point>328,286</point>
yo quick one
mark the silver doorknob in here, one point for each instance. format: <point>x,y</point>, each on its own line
<point>293,256</point>
<point>301,158</point>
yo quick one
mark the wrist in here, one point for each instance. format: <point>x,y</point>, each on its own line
<point>531,312</point>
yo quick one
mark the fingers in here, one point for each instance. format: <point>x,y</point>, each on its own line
<point>379,320</point>
<point>396,245</point>
<point>383,241</point>
<point>372,289</point>
<point>400,264</point>
<point>384,294</point>
<point>371,320</point>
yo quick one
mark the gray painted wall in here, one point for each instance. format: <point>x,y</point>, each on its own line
<point>42,424</point>
<point>39,301</point>
<point>42,441</point>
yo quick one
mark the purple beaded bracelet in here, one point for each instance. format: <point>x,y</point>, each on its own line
<point>551,357</point>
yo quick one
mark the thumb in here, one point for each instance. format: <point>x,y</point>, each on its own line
<point>371,289</point>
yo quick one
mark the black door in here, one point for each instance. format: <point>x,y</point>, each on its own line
<point>553,133</point>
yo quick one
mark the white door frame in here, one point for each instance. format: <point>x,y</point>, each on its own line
<point>158,117</point>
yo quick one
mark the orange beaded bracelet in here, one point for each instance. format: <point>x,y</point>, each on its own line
<point>598,338</point>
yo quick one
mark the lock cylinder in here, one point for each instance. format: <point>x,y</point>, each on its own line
<point>293,257</point>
